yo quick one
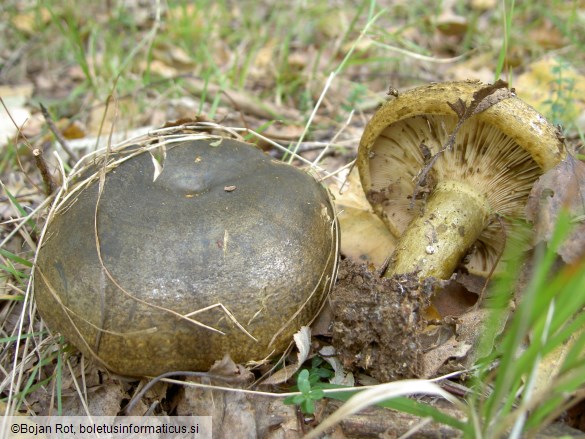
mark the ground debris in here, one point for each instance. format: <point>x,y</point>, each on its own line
<point>377,322</point>
<point>237,414</point>
<point>378,422</point>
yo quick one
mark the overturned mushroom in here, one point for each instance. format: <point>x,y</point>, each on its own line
<point>222,251</point>
<point>467,153</point>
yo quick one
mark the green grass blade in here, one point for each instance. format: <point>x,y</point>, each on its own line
<point>18,207</point>
<point>507,27</point>
<point>18,275</point>
<point>15,258</point>
<point>31,385</point>
<point>21,337</point>
<point>59,381</point>
<point>402,404</point>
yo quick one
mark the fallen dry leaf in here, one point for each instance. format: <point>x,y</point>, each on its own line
<point>548,36</point>
<point>161,69</point>
<point>434,359</point>
<point>464,347</point>
<point>453,299</point>
<point>236,414</point>
<point>72,129</point>
<point>342,377</point>
<point>32,21</point>
<point>563,187</point>
<point>283,131</point>
<point>548,79</point>
<point>227,368</point>
<point>173,56</point>
<point>264,58</point>
<point>449,22</point>
<point>483,5</point>
<point>471,330</point>
<point>364,237</point>
<point>477,67</point>
<point>104,400</point>
<point>303,341</point>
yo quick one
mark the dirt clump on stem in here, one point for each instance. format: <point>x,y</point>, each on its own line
<point>378,321</point>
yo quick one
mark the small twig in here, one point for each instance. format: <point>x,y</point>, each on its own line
<point>237,107</point>
<point>44,170</point>
<point>381,270</point>
<point>350,165</point>
<point>58,136</point>
<point>245,102</point>
<point>20,134</point>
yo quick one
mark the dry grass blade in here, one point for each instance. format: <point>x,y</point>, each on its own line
<point>418,56</point>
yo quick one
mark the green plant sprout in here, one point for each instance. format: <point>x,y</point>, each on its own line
<point>309,384</point>
<point>561,102</point>
<point>306,400</point>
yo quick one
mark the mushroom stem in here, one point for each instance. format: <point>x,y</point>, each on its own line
<point>454,216</point>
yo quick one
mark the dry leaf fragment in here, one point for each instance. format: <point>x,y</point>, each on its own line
<point>228,369</point>
<point>561,187</point>
<point>158,160</point>
<point>31,22</point>
<point>458,107</point>
<point>449,22</point>
<point>173,56</point>
<point>471,330</point>
<point>498,92</point>
<point>464,347</point>
<point>342,377</point>
<point>483,5</point>
<point>550,78</point>
<point>364,237</point>
<point>434,359</point>
<point>303,341</point>
<point>72,129</point>
<point>488,96</point>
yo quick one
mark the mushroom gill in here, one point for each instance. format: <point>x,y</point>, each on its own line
<point>482,157</point>
<point>469,172</point>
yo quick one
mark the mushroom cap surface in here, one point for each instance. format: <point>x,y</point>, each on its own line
<point>499,152</point>
<point>224,234</point>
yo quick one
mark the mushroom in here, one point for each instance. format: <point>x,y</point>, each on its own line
<point>459,189</point>
<point>224,251</point>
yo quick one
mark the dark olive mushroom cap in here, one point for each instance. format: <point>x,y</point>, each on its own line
<point>497,156</point>
<point>223,234</point>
